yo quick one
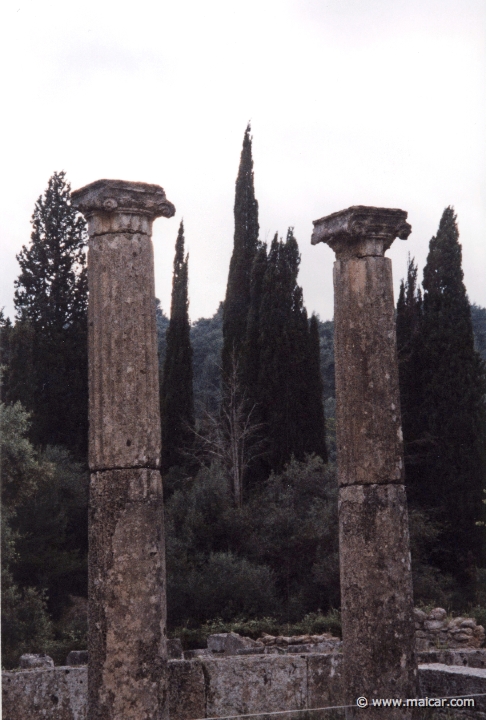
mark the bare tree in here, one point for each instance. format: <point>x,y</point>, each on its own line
<point>229,437</point>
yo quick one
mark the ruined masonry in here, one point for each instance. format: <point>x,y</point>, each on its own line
<point>127,676</point>
<point>375,564</point>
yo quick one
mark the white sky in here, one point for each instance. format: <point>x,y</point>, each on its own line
<point>372,102</point>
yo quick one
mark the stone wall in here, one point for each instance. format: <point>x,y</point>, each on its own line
<point>218,687</point>
<point>434,630</point>
<point>199,688</point>
<point>438,680</point>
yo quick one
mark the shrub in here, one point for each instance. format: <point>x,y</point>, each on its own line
<point>223,585</point>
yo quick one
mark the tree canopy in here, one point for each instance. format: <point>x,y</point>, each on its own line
<point>177,395</point>
<point>245,246</point>
<point>285,370</point>
<point>48,346</point>
<point>442,388</point>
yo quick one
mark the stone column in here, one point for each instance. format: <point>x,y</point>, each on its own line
<point>376,582</point>
<point>127,594</point>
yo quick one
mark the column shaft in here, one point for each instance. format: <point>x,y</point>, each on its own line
<point>124,413</point>
<point>127,606</point>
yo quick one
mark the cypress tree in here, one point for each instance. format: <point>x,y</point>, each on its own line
<point>445,397</point>
<point>237,301</point>
<point>177,398</point>
<point>51,304</point>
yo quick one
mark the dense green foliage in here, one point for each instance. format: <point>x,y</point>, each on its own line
<point>282,359</point>
<point>176,392</point>
<point>274,555</point>
<point>47,368</point>
<point>207,343</point>
<point>52,532</point>
<point>207,340</point>
<point>206,336</point>
<point>442,388</point>
<point>44,543</point>
<point>478,317</point>
<point>44,490</point>
<point>237,300</point>
<point>316,424</point>
<point>326,343</point>
<point>251,355</point>
<point>162,325</point>
<point>409,315</point>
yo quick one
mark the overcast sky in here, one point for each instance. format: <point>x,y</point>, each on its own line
<point>371,102</point>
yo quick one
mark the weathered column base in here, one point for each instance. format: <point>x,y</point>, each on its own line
<point>377,601</point>
<point>127,640</point>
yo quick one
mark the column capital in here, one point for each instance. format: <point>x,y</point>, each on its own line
<point>121,206</point>
<point>361,231</point>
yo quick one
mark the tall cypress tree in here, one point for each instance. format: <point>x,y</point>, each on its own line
<point>51,303</point>
<point>444,404</point>
<point>177,396</point>
<point>237,301</point>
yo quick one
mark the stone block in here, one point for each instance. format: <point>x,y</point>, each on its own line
<point>30,660</point>
<point>434,625</point>
<point>58,693</point>
<point>325,680</point>
<point>419,615</point>
<point>186,690</point>
<point>240,685</point>
<point>455,622</point>
<point>235,642</point>
<point>217,642</point>
<point>438,680</point>
<point>437,614</point>
<point>230,643</point>
<point>77,657</point>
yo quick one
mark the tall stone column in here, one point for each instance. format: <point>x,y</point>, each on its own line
<point>376,582</point>
<point>127,592</point>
